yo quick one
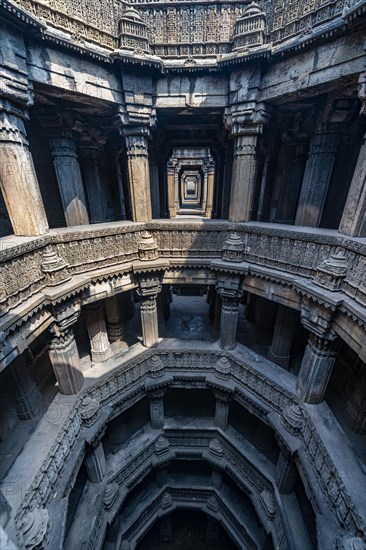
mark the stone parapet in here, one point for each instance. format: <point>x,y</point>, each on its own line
<point>109,255</point>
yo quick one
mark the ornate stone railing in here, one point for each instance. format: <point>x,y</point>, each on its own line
<point>108,251</point>
<point>244,376</point>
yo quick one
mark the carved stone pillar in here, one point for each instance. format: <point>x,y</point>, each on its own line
<point>221,410</point>
<point>63,351</point>
<point>99,199</point>
<point>27,398</point>
<point>149,321</point>
<point>319,355</point>
<point>65,160</point>
<point>279,351</point>
<point>172,188</point>
<point>316,179</point>
<point>243,177</point>
<point>229,322</point>
<point>148,291</point>
<point>138,172</point>
<point>97,330</point>
<point>353,220</point>
<point>316,368</point>
<point>230,300</point>
<point>156,400</point>
<point>210,189</point>
<point>115,321</point>
<point>95,464</point>
<point>18,180</point>
<point>245,122</point>
<point>286,473</point>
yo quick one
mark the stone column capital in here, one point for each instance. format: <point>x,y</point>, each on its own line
<point>65,316</point>
<point>229,289</point>
<point>148,287</point>
<point>246,118</point>
<point>318,320</point>
<point>135,115</point>
<point>156,394</point>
